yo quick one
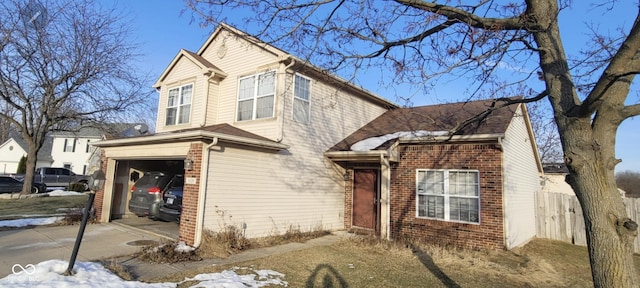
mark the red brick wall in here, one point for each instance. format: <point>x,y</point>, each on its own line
<point>485,158</point>
<point>97,201</point>
<point>190,196</point>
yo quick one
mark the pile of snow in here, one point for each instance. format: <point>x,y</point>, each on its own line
<point>183,247</point>
<point>29,222</point>
<point>64,193</point>
<point>374,142</point>
<point>89,274</point>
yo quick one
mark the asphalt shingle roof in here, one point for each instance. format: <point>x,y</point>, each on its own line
<point>443,117</point>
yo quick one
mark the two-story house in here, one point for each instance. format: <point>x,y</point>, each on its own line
<point>72,150</point>
<point>267,142</point>
<point>254,122</point>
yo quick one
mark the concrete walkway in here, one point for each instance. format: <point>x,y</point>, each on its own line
<point>118,242</point>
<point>100,241</point>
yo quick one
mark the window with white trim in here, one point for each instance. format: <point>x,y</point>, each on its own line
<point>256,96</point>
<point>449,195</point>
<point>301,99</point>
<point>179,105</point>
<point>69,145</point>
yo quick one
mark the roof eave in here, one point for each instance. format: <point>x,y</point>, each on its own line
<point>189,136</point>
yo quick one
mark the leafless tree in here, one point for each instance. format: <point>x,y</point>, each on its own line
<point>629,181</point>
<point>417,41</point>
<point>64,63</point>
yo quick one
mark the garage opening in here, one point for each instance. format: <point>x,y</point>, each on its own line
<point>127,173</point>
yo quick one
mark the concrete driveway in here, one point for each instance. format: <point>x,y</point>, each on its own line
<point>100,241</point>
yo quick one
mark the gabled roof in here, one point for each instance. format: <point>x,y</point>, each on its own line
<point>282,56</point>
<point>444,119</point>
<point>44,154</point>
<point>206,66</point>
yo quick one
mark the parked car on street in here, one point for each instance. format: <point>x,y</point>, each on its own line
<point>147,192</point>
<point>11,185</point>
<point>57,177</point>
<point>172,206</point>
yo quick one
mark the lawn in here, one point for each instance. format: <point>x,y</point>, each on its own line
<point>367,263</point>
<point>39,206</point>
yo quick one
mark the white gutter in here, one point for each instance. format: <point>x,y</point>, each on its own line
<point>473,137</point>
<point>204,170</point>
<point>191,135</point>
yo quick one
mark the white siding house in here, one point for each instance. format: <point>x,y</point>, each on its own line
<point>522,181</point>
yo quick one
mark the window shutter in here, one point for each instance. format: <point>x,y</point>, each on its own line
<point>64,148</point>
<point>74,145</point>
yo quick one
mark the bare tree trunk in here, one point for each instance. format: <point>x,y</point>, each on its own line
<point>31,166</point>
<point>607,224</point>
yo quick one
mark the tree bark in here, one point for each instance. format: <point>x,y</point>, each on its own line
<point>589,147</point>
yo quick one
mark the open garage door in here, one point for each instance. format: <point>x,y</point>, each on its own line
<point>126,174</point>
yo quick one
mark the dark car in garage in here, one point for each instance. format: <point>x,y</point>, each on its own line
<point>172,204</point>
<point>9,184</point>
<point>147,192</point>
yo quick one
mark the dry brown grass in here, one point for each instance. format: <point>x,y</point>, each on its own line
<point>369,262</point>
<point>166,253</point>
<point>116,268</point>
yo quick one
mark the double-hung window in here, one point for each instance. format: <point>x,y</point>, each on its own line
<point>70,145</point>
<point>301,99</point>
<point>449,195</point>
<point>256,96</point>
<point>179,105</point>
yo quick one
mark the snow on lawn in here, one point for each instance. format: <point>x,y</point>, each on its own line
<point>89,274</point>
<point>64,193</point>
<point>29,222</point>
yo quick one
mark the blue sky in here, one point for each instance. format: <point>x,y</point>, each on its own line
<point>162,28</point>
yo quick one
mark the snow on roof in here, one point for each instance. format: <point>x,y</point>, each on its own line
<point>375,142</point>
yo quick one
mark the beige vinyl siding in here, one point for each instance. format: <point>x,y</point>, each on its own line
<point>184,72</point>
<point>270,192</point>
<point>212,103</point>
<point>176,150</point>
<point>241,59</point>
<point>521,183</point>
<point>335,114</point>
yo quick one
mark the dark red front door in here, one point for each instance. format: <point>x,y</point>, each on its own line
<point>365,187</point>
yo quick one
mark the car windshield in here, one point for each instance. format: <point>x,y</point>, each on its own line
<point>178,182</point>
<point>149,179</point>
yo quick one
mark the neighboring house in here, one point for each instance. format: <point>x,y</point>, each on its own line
<point>15,148</point>
<point>554,179</point>
<point>252,122</point>
<point>72,150</point>
<point>408,178</point>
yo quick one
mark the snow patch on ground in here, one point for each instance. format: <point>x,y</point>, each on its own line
<point>29,222</point>
<point>89,274</point>
<point>64,193</point>
<point>183,247</point>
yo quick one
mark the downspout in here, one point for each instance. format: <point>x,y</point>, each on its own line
<point>205,97</point>
<point>281,136</point>
<point>204,171</point>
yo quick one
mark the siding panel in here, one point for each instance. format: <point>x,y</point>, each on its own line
<point>521,183</point>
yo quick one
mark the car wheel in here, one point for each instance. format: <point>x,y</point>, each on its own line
<point>35,190</point>
<point>85,186</point>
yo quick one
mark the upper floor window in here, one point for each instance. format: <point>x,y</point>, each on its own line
<point>450,195</point>
<point>86,149</point>
<point>179,105</point>
<point>69,145</point>
<point>301,99</point>
<point>256,96</point>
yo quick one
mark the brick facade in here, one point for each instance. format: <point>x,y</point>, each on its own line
<point>486,158</point>
<point>99,198</point>
<point>188,218</point>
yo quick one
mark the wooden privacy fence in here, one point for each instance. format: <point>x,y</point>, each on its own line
<point>559,217</point>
